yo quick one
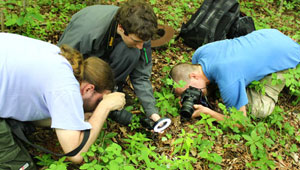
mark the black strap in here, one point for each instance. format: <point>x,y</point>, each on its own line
<point>111,34</point>
<point>16,128</point>
<point>110,38</point>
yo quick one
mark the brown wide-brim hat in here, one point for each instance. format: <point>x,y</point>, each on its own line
<point>165,34</point>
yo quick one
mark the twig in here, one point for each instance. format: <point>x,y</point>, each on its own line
<point>24,6</point>
<point>136,112</point>
<point>2,20</point>
<point>281,4</point>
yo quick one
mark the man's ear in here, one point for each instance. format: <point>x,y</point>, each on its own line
<point>86,88</point>
<point>120,29</point>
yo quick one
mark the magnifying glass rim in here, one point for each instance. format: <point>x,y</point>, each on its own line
<point>165,121</point>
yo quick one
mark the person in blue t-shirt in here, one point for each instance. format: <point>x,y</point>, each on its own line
<point>232,64</point>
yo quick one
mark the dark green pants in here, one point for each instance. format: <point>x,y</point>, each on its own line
<point>13,155</point>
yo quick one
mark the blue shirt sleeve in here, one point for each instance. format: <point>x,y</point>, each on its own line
<point>197,55</point>
<point>234,95</point>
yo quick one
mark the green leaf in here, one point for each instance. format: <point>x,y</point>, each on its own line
<point>110,135</point>
<point>259,145</point>
<point>216,158</point>
<point>129,168</point>
<point>293,148</point>
<point>84,166</point>
<point>269,142</point>
<point>98,167</point>
<point>253,149</point>
<point>203,154</point>
<point>169,82</point>
<point>104,159</point>
<point>248,138</point>
<point>254,135</point>
<point>11,20</point>
<point>20,21</point>
<point>297,138</point>
<point>91,154</point>
<point>177,141</point>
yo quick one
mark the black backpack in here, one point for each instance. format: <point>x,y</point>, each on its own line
<point>242,26</point>
<point>212,22</point>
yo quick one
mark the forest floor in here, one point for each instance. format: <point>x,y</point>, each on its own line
<point>232,157</point>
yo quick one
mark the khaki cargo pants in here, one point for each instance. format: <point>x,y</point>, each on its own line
<point>13,155</point>
<point>263,105</point>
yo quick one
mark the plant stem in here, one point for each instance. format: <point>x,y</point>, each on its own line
<point>2,20</point>
<point>24,6</point>
<point>281,4</point>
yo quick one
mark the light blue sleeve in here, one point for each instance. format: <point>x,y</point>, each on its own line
<point>234,95</point>
<point>196,56</point>
<point>66,110</point>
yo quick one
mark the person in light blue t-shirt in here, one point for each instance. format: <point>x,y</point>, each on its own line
<point>232,64</point>
<point>40,81</point>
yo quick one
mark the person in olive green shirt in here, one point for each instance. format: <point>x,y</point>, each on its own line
<point>121,36</point>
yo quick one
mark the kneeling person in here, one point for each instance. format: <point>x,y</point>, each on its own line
<point>234,63</point>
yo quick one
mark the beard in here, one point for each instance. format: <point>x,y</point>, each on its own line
<point>89,106</point>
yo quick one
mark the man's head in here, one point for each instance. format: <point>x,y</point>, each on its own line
<point>94,75</point>
<point>192,74</point>
<point>97,81</point>
<point>137,23</point>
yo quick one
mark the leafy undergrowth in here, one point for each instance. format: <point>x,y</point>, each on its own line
<point>271,143</point>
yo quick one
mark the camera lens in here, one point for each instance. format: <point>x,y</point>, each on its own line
<point>187,109</point>
<point>123,116</point>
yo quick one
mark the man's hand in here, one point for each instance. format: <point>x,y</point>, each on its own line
<point>155,117</point>
<point>198,110</point>
<point>114,101</point>
<point>70,139</point>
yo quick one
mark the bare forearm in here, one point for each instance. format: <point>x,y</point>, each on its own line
<point>218,116</point>
<point>214,114</point>
<point>96,120</point>
<point>70,139</point>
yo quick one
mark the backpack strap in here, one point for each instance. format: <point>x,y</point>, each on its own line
<point>17,126</point>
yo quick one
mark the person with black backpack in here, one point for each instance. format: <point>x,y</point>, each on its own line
<point>40,82</point>
<point>233,64</point>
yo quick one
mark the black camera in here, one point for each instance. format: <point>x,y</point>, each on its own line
<point>121,116</point>
<point>190,97</point>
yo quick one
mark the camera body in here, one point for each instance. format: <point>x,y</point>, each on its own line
<point>190,97</point>
<point>121,116</point>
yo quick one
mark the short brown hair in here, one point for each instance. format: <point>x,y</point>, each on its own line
<point>137,17</point>
<point>93,69</point>
<point>181,71</point>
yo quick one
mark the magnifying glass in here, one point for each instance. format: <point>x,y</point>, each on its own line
<point>161,124</point>
<point>157,126</point>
